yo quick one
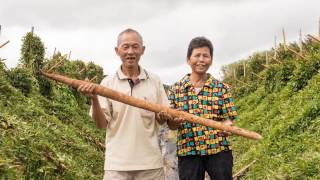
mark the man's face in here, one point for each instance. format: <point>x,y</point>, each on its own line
<point>130,49</point>
<point>200,60</point>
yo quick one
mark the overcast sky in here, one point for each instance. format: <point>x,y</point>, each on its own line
<point>89,29</point>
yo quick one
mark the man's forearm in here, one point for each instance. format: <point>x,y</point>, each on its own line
<point>98,114</point>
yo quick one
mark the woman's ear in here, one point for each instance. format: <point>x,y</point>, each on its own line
<point>188,61</point>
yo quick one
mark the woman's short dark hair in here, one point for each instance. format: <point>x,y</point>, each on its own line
<point>199,42</point>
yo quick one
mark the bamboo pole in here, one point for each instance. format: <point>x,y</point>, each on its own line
<point>296,53</point>
<point>241,86</point>
<point>83,69</point>
<point>300,41</point>
<point>4,44</point>
<point>267,59</point>
<point>54,52</point>
<point>69,55</point>
<point>228,85</point>
<point>242,82</point>
<point>93,79</point>
<point>257,75</point>
<point>55,65</point>
<point>275,47</point>
<point>284,39</point>
<point>244,69</point>
<point>133,101</point>
<point>314,38</point>
<point>243,170</point>
<point>319,27</point>
<point>277,60</point>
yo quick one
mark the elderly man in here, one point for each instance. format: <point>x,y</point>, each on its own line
<point>132,147</point>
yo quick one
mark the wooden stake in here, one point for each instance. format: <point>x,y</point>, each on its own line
<point>228,85</point>
<point>4,44</point>
<point>83,69</point>
<point>54,51</point>
<point>267,59</point>
<point>139,103</point>
<point>241,86</point>
<point>257,75</point>
<point>277,60</point>
<point>275,47</point>
<point>93,79</point>
<point>69,55</point>
<point>56,65</point>
<point>296,53</point>
<point>242,82</point>
<point>244,69</point>
<point>319,28</point>
<point>234,73</point>
<point>300,41</point>
<point>314,38</point>
<point>241,172</point>
<point>32,29</point>
<point>284,39</point>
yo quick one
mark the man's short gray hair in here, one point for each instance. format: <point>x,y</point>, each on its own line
<point>129,30</point>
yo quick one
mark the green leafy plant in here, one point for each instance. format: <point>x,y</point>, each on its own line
<point>22,79</point>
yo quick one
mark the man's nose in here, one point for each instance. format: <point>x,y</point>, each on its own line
<point>130,50</point>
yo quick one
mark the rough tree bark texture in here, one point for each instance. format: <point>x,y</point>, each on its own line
<point>117,96</point>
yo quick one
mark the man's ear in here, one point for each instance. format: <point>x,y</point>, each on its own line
<point>143,49</point>
<point>116,50</point>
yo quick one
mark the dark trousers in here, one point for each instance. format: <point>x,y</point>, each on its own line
<point>218,166</point>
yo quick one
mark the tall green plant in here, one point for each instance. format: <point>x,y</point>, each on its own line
<point>32,57</point>
<point>32,52</point>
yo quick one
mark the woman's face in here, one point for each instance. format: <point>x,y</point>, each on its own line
<point>200,60</point>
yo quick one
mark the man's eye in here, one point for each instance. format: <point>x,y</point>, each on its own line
<point>135,46</point>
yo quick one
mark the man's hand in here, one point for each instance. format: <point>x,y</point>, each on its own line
<point>163,117</point>
<point>88,89</point>
<point>98,115</point>
<point>175,123</point>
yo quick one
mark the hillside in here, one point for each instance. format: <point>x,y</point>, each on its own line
<point>46,133</point>
<point>45,130</point>
<point>280,100</point>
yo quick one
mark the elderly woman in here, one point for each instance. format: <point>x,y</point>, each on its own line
<point>201,148</point>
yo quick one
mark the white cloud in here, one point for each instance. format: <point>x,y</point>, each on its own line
<point>89,28</point>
